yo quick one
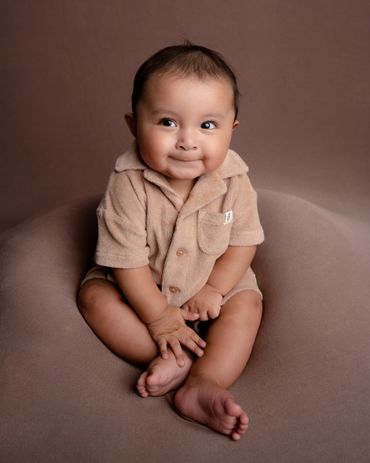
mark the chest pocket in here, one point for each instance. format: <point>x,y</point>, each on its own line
<point>213,232</point>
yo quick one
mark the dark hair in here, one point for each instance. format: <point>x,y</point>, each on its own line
<point>185,60</point>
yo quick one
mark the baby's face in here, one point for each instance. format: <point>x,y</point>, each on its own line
<point>184,125</point>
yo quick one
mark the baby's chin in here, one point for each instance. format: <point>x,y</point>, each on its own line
<point>185,173</point>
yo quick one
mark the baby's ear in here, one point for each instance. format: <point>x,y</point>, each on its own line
<point>131,123</point>
<point>236,124</point>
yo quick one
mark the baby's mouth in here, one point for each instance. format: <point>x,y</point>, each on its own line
<point>185,158</point>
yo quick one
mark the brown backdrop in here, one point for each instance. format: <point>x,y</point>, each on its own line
<point>65,82</point>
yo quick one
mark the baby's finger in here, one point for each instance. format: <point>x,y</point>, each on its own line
<point>198,340</point>
<point>177,350</point>
<point>162,345</point>
<point>194,342</point>
<point>193,347</point>
<point>189,316</point>
<point>213,312</point>
<point>203,315</point>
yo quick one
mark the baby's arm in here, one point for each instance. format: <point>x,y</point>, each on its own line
<point>226,273</point>
<point>230,267</point>
<point>165,322</point>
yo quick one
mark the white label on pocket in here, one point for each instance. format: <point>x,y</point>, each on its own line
<point>228,217</point>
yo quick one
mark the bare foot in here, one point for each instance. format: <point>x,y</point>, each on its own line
<point>210,404</point>
<point>162,376</point>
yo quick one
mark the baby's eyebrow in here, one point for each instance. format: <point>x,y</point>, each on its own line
<point>214,116</point>
<point>162,111</point>
<point>168,112</point>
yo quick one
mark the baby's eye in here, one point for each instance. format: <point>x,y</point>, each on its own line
<point>209,125</point>
<point>168,122</point>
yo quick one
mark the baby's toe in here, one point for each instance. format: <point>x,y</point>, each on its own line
<point>141,385</point>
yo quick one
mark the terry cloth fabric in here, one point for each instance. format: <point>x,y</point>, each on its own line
<point>143,221</point>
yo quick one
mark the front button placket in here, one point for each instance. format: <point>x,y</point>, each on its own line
<point>180,258</point>
<point>176,265</point>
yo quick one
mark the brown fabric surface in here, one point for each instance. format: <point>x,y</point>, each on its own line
<point>66,397</point>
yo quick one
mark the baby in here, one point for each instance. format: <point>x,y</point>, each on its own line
<point>178,229</point>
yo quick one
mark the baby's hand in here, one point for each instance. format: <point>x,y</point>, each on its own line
<point>171,331</point>
<point>206,303</point>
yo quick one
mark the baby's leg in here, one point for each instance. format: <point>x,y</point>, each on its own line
<point>117,325</point>
<point>106,311</point>
<point>230,339</point>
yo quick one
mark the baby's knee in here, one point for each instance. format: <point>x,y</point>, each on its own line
<point>90,295</point>
<point>243,306</point>
<point>254,302</point>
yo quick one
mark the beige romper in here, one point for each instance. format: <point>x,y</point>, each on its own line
<point>142,221</point>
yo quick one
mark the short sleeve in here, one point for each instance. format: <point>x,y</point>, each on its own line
<point>246,228</point>
<point>122,238</point>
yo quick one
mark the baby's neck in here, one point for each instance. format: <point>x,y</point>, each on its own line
<point>182,187</point>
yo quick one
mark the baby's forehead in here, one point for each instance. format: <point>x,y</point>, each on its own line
<point>167,88</point>
<point>174,74</point>
<point>164,80</point>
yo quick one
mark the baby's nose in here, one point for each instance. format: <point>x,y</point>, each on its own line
<point>186,141</point>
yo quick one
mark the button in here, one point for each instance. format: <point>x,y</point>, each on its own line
<point>180,252</point>
<point>173,289</point>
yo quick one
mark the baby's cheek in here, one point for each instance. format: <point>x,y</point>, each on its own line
<point>214,159</point>
<point>209,164</point>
